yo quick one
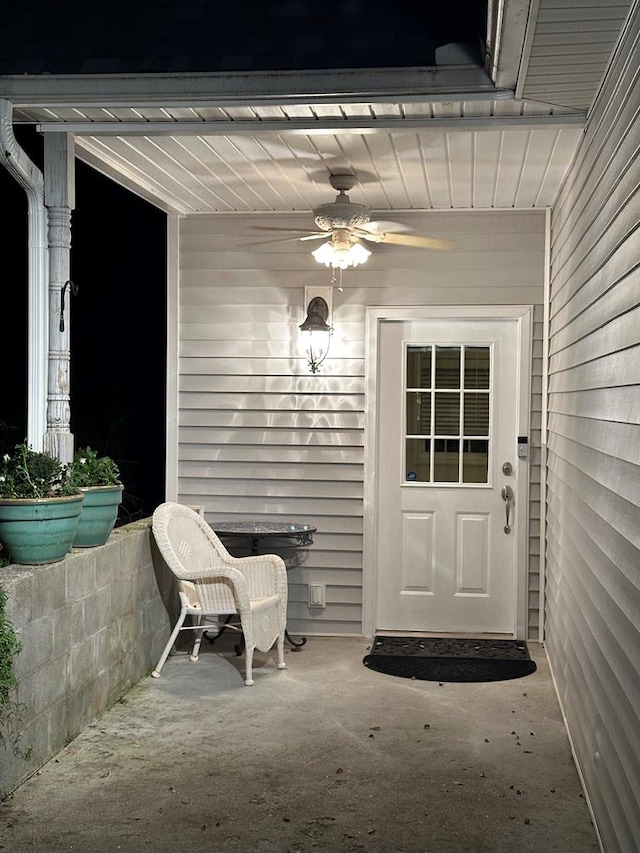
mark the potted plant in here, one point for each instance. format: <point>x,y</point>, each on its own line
<point>39,507</point>
<point>98,478</point>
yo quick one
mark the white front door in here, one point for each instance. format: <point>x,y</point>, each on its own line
<point>447,475</point>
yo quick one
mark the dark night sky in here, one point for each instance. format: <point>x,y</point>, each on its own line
<point>143,36</point>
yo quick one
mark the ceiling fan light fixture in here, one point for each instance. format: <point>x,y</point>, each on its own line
<point>340,253</point>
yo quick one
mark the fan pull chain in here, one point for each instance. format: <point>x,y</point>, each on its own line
<point>334,280</point>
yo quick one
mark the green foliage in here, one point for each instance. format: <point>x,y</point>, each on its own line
<point>89,469</point>
<point>27,473</point>
<point>9,648</point>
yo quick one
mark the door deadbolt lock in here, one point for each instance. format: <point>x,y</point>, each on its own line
<point>507,469</point>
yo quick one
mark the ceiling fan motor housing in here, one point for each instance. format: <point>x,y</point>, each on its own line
<point>341,213</point>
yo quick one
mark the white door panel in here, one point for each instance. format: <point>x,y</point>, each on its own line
<point>445,562</point>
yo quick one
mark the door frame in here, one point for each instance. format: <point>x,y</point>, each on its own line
<point>523,316</point>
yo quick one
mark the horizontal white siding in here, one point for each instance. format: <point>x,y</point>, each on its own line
<point>261,437</point>
<point>593,546</point>
<point>570,48</point>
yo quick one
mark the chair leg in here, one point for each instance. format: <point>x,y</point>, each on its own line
<point>198,640</point>
<point>167,649</point>
<point>280,648</point>
<point>248,671</point>
<point>249,649</point>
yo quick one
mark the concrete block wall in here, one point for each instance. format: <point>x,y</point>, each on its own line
<point>91,626</point>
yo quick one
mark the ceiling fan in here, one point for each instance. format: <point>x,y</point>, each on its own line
<point>347,224</point>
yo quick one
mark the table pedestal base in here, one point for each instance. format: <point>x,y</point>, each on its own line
<point>296,645</point>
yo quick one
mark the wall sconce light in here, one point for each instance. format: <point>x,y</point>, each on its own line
<point>316,332</point>
<point>342,251</point>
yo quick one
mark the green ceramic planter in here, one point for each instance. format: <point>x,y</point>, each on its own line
<point>39,530</point>
<point>98,517</point>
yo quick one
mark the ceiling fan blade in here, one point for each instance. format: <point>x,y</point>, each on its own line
<point>382,226</point>
<point>290,230</point>
<point>320,235</point>
<point>417,241</point>
<point>272,241</point>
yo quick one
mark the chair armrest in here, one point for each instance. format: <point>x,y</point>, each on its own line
<point>236,579</point>
<point>265,574</point>
<point>221,570</point>
<point>251,577</point>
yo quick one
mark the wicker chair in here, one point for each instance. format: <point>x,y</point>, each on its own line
<point>213,584</point>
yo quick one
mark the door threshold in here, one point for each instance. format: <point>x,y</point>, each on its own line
<point>463,635</point>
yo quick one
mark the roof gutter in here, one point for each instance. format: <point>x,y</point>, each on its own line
<point>223,89</point>
<point>31,180</point>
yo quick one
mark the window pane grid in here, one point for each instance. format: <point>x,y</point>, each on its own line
<point>448,402</point>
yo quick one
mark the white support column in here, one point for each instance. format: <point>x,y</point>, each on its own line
<point>173,324</point>
<point>59,198</point>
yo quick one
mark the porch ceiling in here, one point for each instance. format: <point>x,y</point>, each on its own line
<point>273,158</point>
<point>286,171</point>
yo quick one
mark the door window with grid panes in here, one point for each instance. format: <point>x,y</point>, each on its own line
<point>448,404</point>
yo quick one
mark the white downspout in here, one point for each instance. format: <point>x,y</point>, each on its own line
<point>31,180</point>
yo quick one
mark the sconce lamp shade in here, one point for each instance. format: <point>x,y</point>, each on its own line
<point>317,316</point>
<point>317,332</point>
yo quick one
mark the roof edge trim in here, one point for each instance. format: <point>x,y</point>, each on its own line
<point>357,124</point>
<point>341,86</point>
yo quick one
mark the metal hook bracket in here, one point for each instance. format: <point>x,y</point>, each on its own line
<point>73,289</point>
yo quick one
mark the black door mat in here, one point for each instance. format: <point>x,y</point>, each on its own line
<point>453,659</point>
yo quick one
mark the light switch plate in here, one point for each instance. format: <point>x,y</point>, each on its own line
<point>317,595</point>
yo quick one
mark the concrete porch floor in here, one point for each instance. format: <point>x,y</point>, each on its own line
<point>326,755</point>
